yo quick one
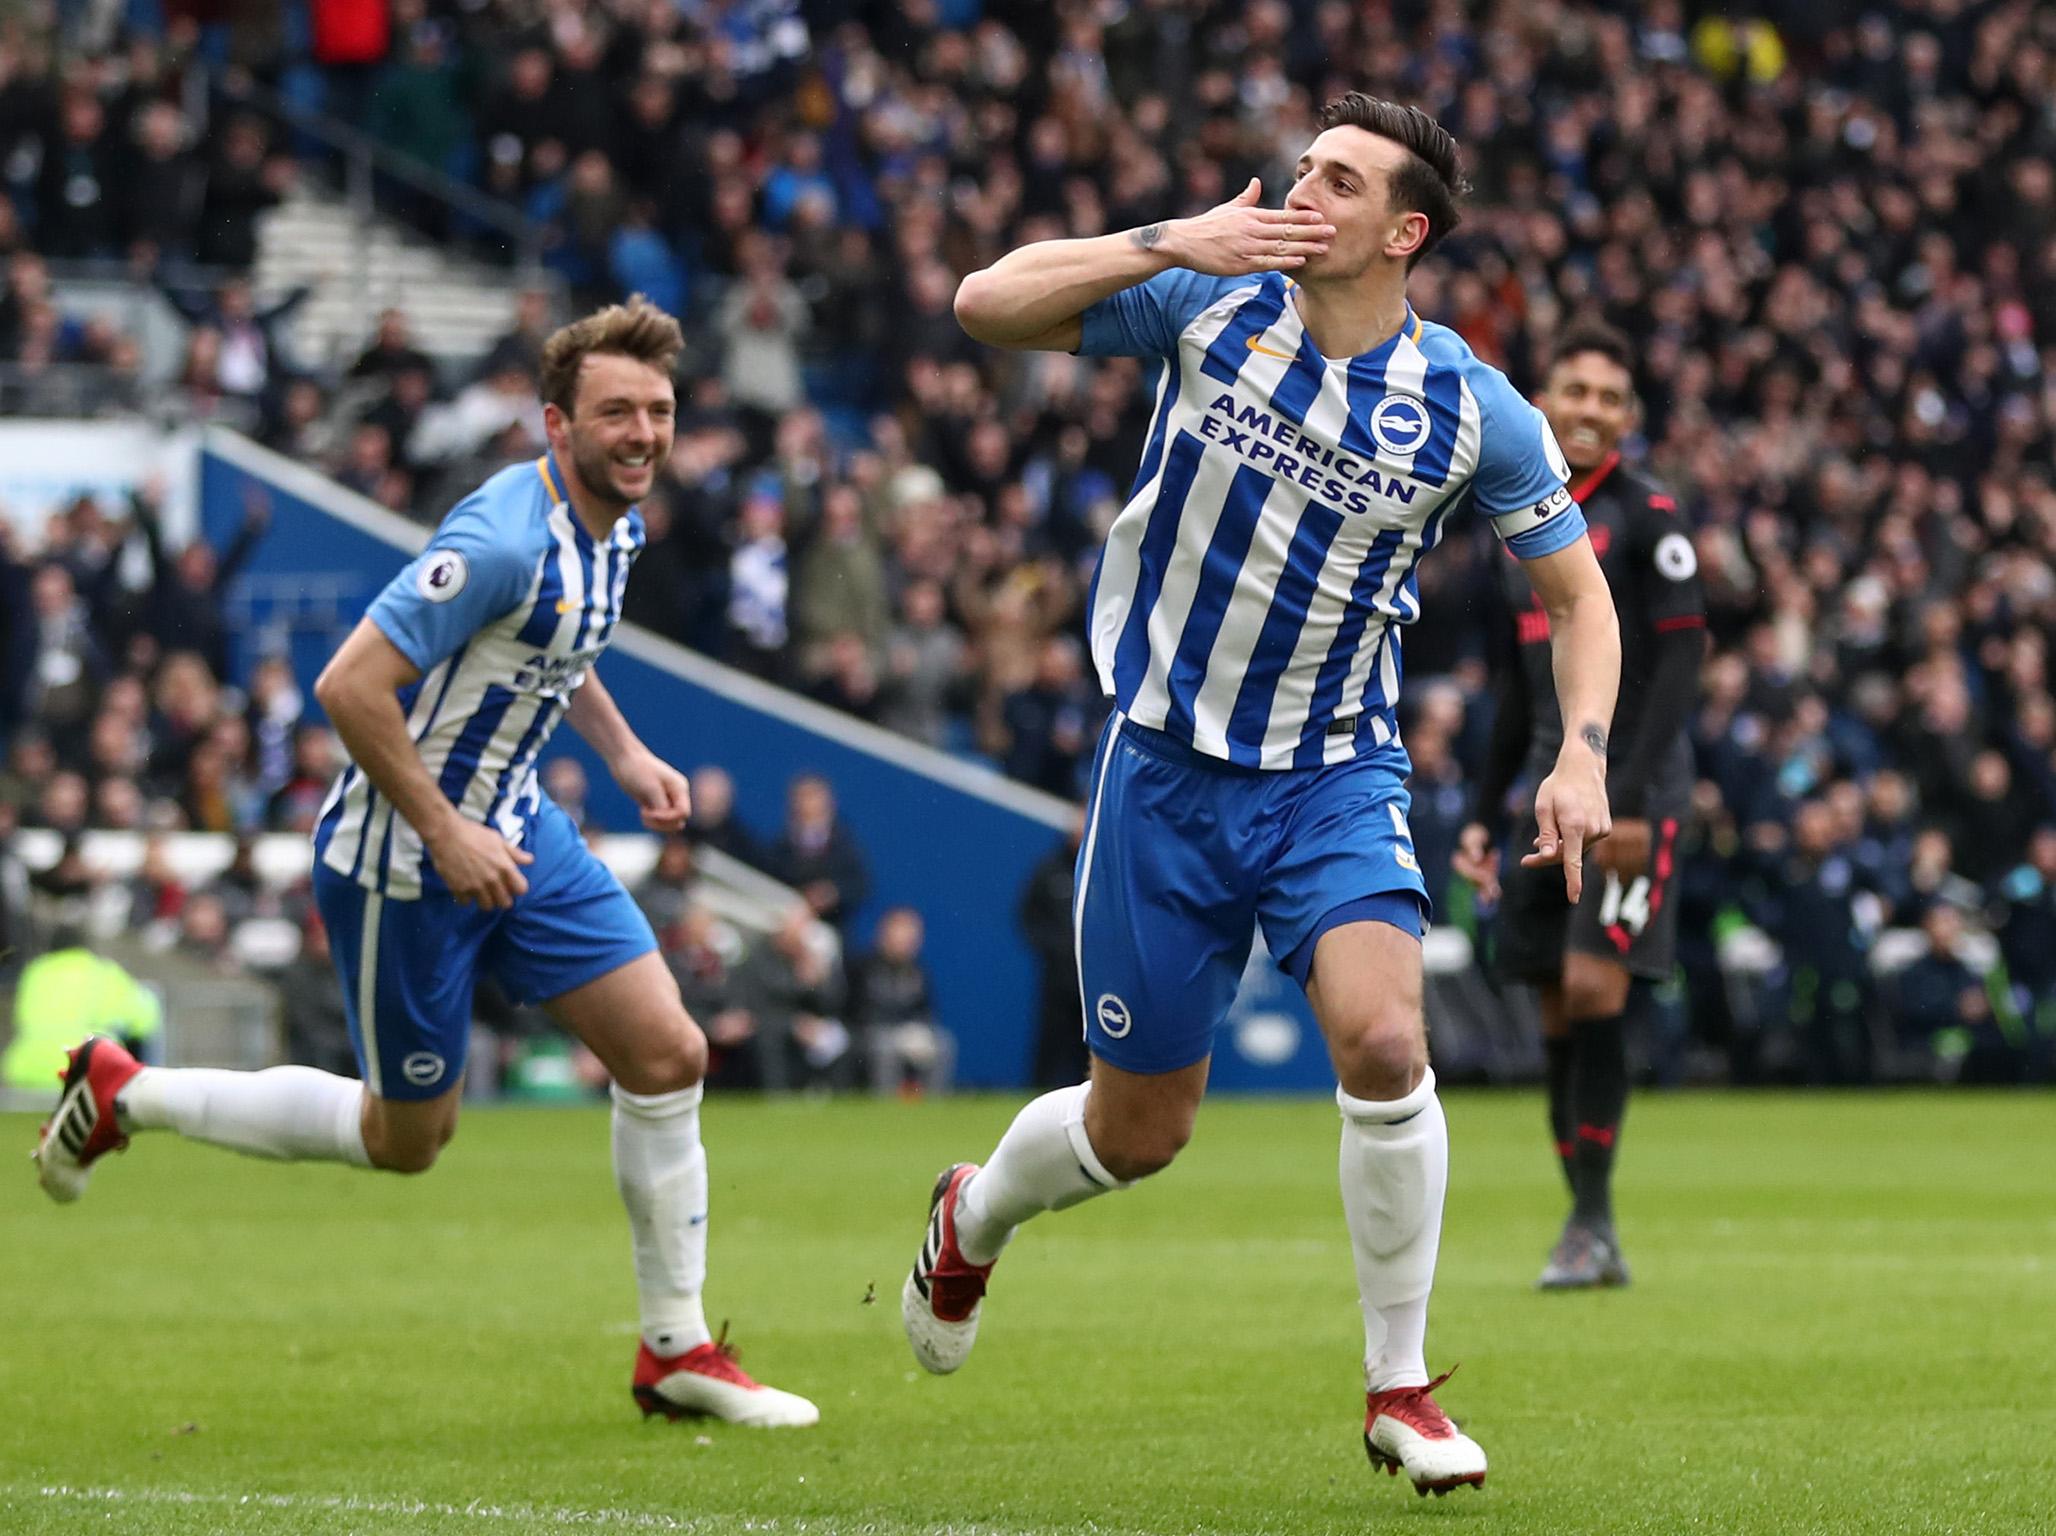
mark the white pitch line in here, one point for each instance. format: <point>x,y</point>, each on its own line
<point>489,1513</point>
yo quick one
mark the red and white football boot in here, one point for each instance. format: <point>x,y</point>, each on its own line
<point>707,1382</point>
<point>1405,1428</point>
<point>939,1304</point>
<point>84,1126</point>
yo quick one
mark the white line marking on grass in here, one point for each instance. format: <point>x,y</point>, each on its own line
<point>489,1513</point>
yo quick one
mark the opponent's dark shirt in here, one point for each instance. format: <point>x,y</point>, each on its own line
<point>1645,549</point>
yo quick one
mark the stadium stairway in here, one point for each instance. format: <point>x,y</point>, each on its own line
<point>457,306</point>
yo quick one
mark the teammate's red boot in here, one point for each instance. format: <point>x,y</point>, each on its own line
<point>1405,1428</point>
<point>708,1383</point>
<point>84,1126</point>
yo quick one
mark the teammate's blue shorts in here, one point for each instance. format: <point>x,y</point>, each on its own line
<point>1184,855</point>
<point>408,967</point>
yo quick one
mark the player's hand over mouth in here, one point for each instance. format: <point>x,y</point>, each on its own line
<point>1238,237</point>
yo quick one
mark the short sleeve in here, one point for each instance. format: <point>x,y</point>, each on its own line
<point>471,574</point>
<point>1670,580</point>
<point>1146,320</point>
<point>1521,475</point>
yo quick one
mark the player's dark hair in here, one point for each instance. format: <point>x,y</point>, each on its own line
<point>1583,336</point>
<point>1430,179</point>
<point>637,329</point>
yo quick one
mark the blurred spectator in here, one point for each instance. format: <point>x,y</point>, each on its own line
<point>58,989</point>
<point>65,665</point>
<point>245,356</point>
<point>392,351</point>
<point>925,667</point>
<point>760,322</point>
<point>791,989</point>
<point>816,855</point>
<point>1048,722</point>
<point>840,585</point>
<point>1046,921</point>
<point>1943,1006</point>
<point>564,781</point>
<point>203,933</point>
<point>758,585</point>
<point>184,608</point>
<point>317,1031</point>
<point>1811,902</point>
<point>714,824</point>
<point>892,1009</point>
<point>244,179</point>
<point>295,805</point>
<point>666,892</point>
<point>2024,921</point>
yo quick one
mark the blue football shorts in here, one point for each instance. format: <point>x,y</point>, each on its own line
<point>1185,855</point>
<point>408,968</point>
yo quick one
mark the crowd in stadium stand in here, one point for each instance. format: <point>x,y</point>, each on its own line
<point>1830,230</point>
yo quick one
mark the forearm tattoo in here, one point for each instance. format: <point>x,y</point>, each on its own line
<point>1594,738</point>
<point>1149,235</point>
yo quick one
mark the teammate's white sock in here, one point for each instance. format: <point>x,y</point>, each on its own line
<point>1395,1166</point>
<point>1045,1162</point>
<point>660,1168</point>
<point>295,1114</point>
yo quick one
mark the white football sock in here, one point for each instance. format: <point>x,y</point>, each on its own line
<point>661,1170</point>
<point>1045,1162</point>
<point>295,1114</point>
<point>1395,1167</point>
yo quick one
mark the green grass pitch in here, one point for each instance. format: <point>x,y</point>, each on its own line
<point>1844,1320</point>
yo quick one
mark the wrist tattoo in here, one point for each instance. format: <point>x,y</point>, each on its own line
<point>1594,738</point>
<point>1149,236</point>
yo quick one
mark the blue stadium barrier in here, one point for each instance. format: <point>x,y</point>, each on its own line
<point>953,840</point>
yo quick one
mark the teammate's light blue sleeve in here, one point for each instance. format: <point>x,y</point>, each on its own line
<point>471,573</point>
<point>1145,321</point>
<point>1521,472</point>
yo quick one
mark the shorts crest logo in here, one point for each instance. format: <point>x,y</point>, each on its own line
<point>1400,425</point>
<point>422,1068</point>
<point>1113,1016</point>
<point>443,577</point>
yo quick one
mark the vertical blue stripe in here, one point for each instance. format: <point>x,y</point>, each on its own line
<point>470,746</point>
<point>524,752</point>
<point>1218,569</point>
<point>1152,457</point>
<point>617,590</point>
<point>449,677</point>
<point>588,564</point>
<point>1153,452</point>
<point>364,837</point>
<point>1255,315</point>
<point>1304,560</point>
<point>1301,384</point>
<point>385,850</point>
<point>325,828</point>
<point>541,626</point>
<point>1335,668</point>
<point>1374,694</point>
<point>1159,543</point>
<point>1445,415</point>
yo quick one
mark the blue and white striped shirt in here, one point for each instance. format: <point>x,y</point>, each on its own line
<point>1250,593</point>
<point>504,612</point>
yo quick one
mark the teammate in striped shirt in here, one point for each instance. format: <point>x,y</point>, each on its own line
<point>438,857</point>
<point>1312,438</point>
